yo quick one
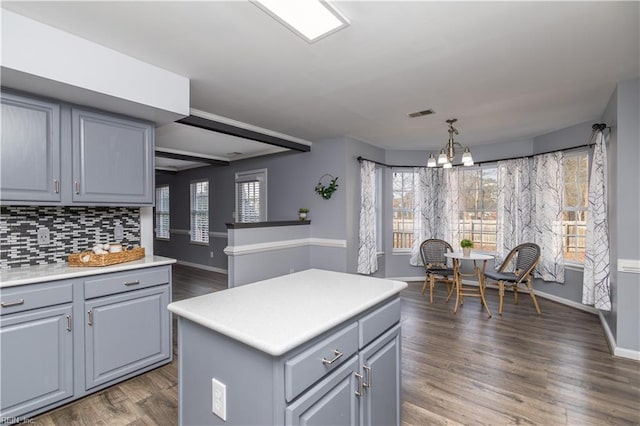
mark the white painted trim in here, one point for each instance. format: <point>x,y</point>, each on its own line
<point>281,245</point>
<point>617,351</point>
<point>146,229</point>
<point>631,266</point>
<point>191,154</point>
<point>567,302</point>
<point>187,232</point>
<point>204,267</point>
<point>219,118</point>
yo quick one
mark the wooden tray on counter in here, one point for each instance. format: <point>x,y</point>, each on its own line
<point>92,259</point>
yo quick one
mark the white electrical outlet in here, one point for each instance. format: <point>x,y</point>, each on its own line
<point>43,236</point>
<point>118,233</point>
<point>219,399</point>
<point>211,254</point>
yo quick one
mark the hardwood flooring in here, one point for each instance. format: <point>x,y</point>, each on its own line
<point>461,369</point>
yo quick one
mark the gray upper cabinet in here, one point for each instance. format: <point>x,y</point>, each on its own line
<point>112,159</point>
<point>57,154</point>
<point>29,150</point>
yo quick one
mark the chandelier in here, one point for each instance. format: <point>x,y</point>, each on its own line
<point>448,153</point>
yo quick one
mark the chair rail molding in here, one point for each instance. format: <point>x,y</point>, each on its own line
<point>240,250</point>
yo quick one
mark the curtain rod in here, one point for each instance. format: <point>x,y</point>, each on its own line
<point>595,128</point>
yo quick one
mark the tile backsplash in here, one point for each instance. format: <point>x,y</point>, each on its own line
<point>72,230</point>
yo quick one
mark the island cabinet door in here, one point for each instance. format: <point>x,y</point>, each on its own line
<point>333,401</point>
<point>380,367</point>
<point>126,333</point>
<point>36,357</point>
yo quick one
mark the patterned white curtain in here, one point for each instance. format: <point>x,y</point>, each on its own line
<point>428,208</point>
<point>451,210</point>
<point>514,222</point>
<point>595,289</point>
<point>367,249</point>
<point>548,202</point>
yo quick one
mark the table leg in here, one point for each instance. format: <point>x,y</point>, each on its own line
<point>458,283</point>
<point>481,285</point>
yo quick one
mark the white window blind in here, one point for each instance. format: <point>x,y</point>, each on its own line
<point>251,196</point>
<point>200,211</point>
<point>162,212</point>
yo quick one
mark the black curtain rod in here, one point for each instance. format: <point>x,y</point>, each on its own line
<point>595,128</point>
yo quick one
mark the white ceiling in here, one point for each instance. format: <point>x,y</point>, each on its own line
<point>508,71</point>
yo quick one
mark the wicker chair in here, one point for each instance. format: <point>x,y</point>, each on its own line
<point>526,257</point>
<point>435,265</point>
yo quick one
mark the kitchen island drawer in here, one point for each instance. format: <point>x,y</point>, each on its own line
<point>120,282</point>
<point>377,322</point>
<point>27,297</point>
<point>314,363</point>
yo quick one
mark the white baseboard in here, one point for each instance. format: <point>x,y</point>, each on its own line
<point>615,350</point>
<point>565,302</point>
<point>204,267</point>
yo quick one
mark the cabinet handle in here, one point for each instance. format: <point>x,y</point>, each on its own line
<point>369,382</point>
<point>128,283</point>
<point>337,356</point>
<point>77,188</point>
<point>360,392</point>
<point>68,322</point>
<point>14,303</point>
<point>90,321</point>
<point>56,186</point>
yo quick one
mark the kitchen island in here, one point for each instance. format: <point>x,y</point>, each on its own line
<point>313,347</point>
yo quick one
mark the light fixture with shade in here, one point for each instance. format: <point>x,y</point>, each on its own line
<point>310,19</point>
<point>448,153</point>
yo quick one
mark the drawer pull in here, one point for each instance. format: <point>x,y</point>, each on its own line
<point>369,382</point>
<point>56,186</point>
<point>360,392</point>
<point>90,319</point>
<point>77,187</point>
<point>128,283</point>
<point>14,303</point>
<point>337,356</point>
<point>68,322</point>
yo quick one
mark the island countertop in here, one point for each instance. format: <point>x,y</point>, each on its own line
<point>278,314</point>
<point>61,271</point>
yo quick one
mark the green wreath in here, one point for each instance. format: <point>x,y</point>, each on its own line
<point>326,191</point>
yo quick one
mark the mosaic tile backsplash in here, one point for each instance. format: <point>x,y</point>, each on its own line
<point>71,229</point>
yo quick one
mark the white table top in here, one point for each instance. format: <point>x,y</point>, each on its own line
<point>279,314</point>
<point>61,271</point>
<point>472,256</point>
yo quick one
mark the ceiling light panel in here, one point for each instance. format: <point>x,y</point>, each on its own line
<point>310,19</point>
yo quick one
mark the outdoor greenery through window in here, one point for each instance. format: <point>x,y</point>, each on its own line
<point>576,196</point>
<point>251,196</point>
<point>200,211</point>
<point>403,203</point>
<point>478,207</point>
<point>162,212</point>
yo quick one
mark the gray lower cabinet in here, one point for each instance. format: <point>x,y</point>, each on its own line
<point>348,376</point>
<point>125,333</point>
<point>36,357</point>
<point>29,149</point>
<point>62,340</point>
<point>58,154</point>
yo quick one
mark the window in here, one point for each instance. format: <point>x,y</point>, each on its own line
<point>478,207</point>
<point>379,210</point>
<point>576,196</point>
<point>162,212</point>
<point>403,202</point>
<point>251,196</point>
<point>200,211</point>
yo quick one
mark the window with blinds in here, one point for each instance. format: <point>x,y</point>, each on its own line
<point>200,211</point>
<point>251,196</point>
<point>162,212</point>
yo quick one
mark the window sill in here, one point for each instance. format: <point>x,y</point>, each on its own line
<point>574,266</point>
<point>199,243</point>
<point>401,252</point>
<point>162,239</point>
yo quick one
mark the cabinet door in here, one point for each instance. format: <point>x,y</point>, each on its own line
<point>331,402</point>
<point>36,360</point>
<point>29,150</point>
<point>380,367</point>
<point>112,159</point>
<point>125,333</point>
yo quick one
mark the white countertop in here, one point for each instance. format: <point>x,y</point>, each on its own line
<point>61,271</point>
<point>278,314</point>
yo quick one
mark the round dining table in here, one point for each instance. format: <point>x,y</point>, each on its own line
<point>479,266</point>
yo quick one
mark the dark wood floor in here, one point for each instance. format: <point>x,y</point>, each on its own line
<point>456,369</point>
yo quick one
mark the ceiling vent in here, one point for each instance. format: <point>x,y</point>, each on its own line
<point>421,113</point>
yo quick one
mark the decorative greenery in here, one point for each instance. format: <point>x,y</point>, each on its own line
<point>303,210</point>
<point>466,244</point>
<point>326,191</point>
